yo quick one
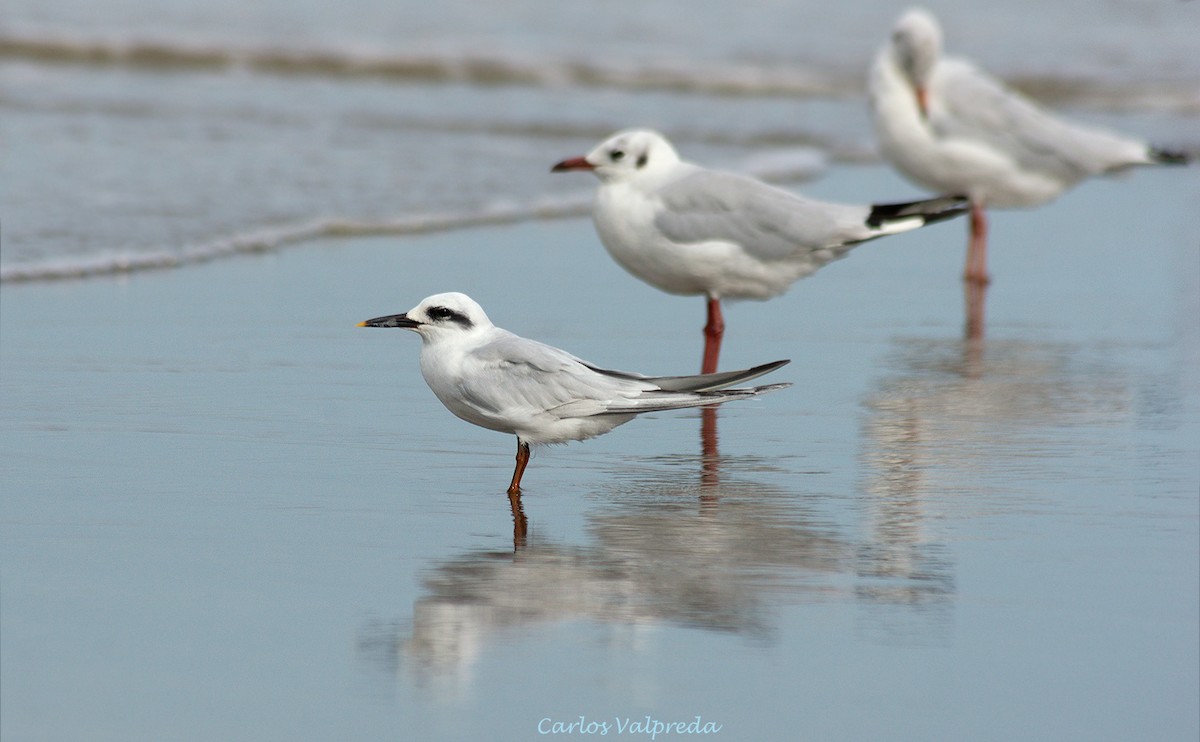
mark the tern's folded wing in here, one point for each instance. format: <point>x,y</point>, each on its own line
<point>518,377</point>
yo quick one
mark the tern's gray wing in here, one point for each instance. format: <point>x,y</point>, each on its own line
<point>518,377</point>
<point>976,106</point>
<point>769,223</point>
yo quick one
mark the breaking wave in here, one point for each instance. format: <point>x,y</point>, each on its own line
<point>783,166</point>
<point>479,69</point>
<point>511,68</point>
<point>271,239</point>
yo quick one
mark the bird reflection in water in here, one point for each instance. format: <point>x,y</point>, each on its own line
<point>710,477</point>
<point>710,457</point>
<point>951,417</point>
<point>520,522</point>
<point>951,430</point>
<point>720,548</point>
<point>975,301</point>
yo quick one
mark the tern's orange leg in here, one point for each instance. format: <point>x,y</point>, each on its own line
<point>522,461</point>
<point>976,271</point>
<point>714,330</point>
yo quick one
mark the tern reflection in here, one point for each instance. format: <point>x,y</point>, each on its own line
<point>656,555</point>
<point>689,541</point>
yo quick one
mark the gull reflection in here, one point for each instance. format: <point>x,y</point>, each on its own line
<point>954,416</point>
<point>949,429</point>
<point>975,305</point>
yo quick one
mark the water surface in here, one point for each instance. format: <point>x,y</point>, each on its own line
<point>227,513</point>
<point>248,519</point>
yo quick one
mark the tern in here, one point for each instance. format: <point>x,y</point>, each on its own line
<point>693,231</point>
<point>951,128</point>
<point>501,381</point>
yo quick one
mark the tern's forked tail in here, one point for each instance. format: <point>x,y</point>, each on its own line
<point>658,401</point>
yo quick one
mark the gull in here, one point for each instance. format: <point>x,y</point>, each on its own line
<point>952,128</point>
<point>501,381</point>
<point>693,231</point>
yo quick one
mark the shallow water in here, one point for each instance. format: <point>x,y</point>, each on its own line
<point>228,513</point>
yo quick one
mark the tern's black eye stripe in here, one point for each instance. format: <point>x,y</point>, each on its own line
<point>642,160</point>
<point>446,314</point>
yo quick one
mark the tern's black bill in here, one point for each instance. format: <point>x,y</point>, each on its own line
<point>392,320</point>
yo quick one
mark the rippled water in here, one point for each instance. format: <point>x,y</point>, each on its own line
<point>148,134</point>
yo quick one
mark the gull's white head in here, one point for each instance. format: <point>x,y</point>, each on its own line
<point>916,46</point>
<point>438,317</point>
<point>628,153</point>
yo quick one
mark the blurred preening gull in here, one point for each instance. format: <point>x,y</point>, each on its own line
<point>950,127</point>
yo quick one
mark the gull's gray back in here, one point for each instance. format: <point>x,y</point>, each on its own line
<point>768,222</point>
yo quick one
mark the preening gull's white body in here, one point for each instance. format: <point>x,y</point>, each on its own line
<point>952,128</point>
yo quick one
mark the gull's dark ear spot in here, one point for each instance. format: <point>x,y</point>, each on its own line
<point>642,160</point>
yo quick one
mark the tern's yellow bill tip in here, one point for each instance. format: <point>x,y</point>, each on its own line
<point>361,324</point>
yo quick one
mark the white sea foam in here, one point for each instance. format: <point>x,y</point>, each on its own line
<point>129,162</point>
<point>490,68</point>
<point>511,67</point>
<point>268,240</point>
<point>790,165</point>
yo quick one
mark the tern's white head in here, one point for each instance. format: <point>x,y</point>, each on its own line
<point>629,153</point>
<point>916,46</point>
<point>438,318</point>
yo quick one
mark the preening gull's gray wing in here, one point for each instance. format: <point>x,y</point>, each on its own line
<point>976,106</point>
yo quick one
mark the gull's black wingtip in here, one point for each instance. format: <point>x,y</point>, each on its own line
<point>1169,156</point>
<point>930,210</point>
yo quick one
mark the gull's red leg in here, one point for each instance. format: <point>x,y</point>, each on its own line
<point>977,247</point>
<point>522,461</point>
<point>714,330</point>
